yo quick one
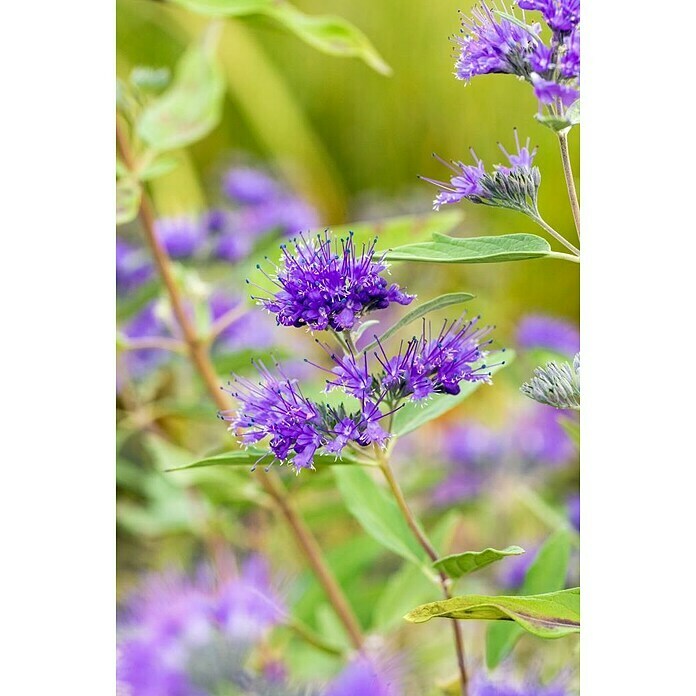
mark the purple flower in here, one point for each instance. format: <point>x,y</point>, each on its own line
<point>560,15</point>
<point>573,510</point>
<point>485,685</point>
<point>513,570</point>
<point>366,676</point>
<point>145,324</point>
<point>542,331</point>
<point>133,267</point>
<point>514,186</point>
<point>296,426</point>
<point>181,237</point>
<point>324,288</point>
<point>538,438</point>
<point>249,186</point>
<point>551,92</point>
<point>492,45</point>
<point>471,453</point>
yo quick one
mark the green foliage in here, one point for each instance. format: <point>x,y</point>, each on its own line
<point>192,106</point>
<point>550,615</point>
<point>413,415</point>
<point>420,311</point>
<point>377,513</point>
<point>459,564</point>
<point>327,33</point>
<point>565,123</point>
<point>546,574</point>
<point>128,195</point>
<point>444,249</point>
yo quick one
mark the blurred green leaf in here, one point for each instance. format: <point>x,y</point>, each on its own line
<point>444,249</point>
<point>459,564</point>
<point>413,415</point>
<point>149,79</point>
<point>251,456</point>
<point>573,113</point>
<point>550,615</point>
<point>158,167</point>
<point>421,310</point>
<point>377,513</point>
<point>192,106</point>
<point>546,574</point>
<point>410,585</point>
<point>128,195</point>
<point>327,33</point>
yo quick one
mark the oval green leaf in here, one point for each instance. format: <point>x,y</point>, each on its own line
<point>444,249</point>
<point>550,615</point>
<point>431,306</point>
<point>459,564</point>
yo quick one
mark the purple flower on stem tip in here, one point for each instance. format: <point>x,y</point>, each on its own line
<point>296,426</point>
<point>514,186</point>
<point>551,92</point>
<point>493,45</point>
<point>181,237</point>
<point>560,15</point>
<point>551,333</point>
<point>322,287</point>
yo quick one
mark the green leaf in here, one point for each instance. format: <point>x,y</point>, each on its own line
<point>431,306</point>
<point>409,585</point>
<point>158,167</point>
<point>377,513</point>
<point>550,615</point>
<point>444,249</point>
<point>128,195</point>
<point>413,414</point>
<point>561,123</point>
<point>251,456</point>
<point>546,574</point>
<point>327,33</point>
<point>459,564</point>
<point>573,113</point>
<point>149,79</point>
<point>192,106</point>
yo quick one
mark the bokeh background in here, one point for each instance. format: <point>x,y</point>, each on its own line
<point>351,142</point>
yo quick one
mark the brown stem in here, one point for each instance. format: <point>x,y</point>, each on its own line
<point>201,360</point>
<point>432,554</point>
<point>570,183</point>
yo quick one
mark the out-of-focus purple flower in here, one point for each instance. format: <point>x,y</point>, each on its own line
<point>297,427</point>
<point>551,92</point>
<point>145,324</point>
<point>133,267</point>
<point>322,287</point>
<point>512,571</point>
<point>471,453</point>
<point>515,186</point>
<point>246,330</point>
<point>551,333</point>
<point>573,509</point>
<point>560,15</point>
<point>538,438</point>
<point>181,236</point>
<point>486,685</point>
<point>493,45</point>
<point>366,676</point>
<point>173,620</point>
<point>249,186</point>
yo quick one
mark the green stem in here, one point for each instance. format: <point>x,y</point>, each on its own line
<point>570,182</point>
<point>563,257</point>
<point>383,460</point>
<point>556,235</point>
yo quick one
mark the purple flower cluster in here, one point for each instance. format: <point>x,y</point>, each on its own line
<point>515,186</point>
<point>296,426</point>
<point>485,685</point>
<point>323,287</point>
<point>550,333</point>
<point>173,620</point>
<point>133,268</point>
<point>492,43</point>
<point>426,365</point>
<point>367,676</point>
